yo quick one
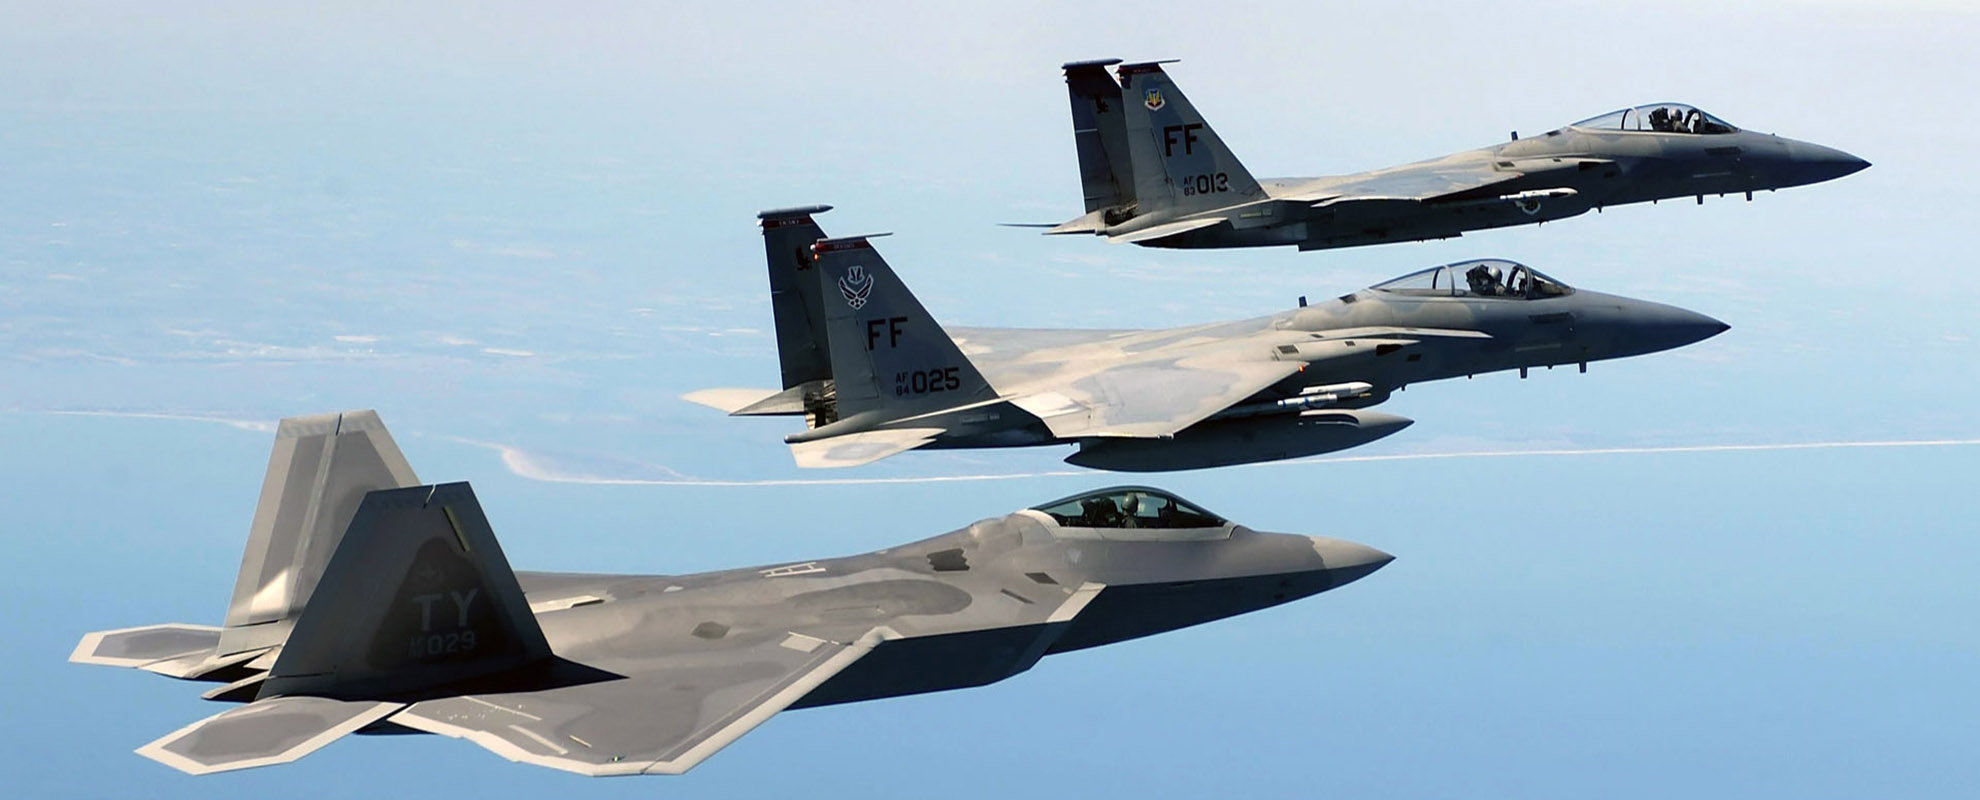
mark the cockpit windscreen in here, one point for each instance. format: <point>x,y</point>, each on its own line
<point>1128,507</point>
<point>1659,118</point>
<point>1485,277</point>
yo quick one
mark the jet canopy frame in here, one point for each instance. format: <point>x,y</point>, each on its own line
<point>1660,118</point>
<point>1121,507</point>
<point>1481,277</point>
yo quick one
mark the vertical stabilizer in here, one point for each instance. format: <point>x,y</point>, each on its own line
<point>321,468</point>
<point>1100,135</point>
<point>788,234</point>
<point>1180,165</point>
<point>888,353</point>
<point>418,595</point>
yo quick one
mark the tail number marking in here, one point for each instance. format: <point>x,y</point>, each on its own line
<point>926,381</point>
<point>1210,183</point>
<point>440,644</point>
<point>429,643</point>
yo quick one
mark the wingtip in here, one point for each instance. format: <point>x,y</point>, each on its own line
<point>792,211</point>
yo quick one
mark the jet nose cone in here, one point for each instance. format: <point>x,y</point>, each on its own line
<point>1677,327</point>
<point>1656,327</point>
<point>1813,163</point>
<point>1348,561</point>
<point>1696,327</point>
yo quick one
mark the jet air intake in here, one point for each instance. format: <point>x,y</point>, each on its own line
<point>1242,440</point>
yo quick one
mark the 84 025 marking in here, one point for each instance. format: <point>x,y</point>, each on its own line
<point>926,381</point>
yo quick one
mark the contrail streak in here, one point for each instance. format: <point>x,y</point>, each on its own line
<point>523,466</point>
<point>243,424</point>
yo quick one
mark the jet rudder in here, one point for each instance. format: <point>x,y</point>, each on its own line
<point>319,470</point>
<point>1179,162</point>
<point>418,595</point>
<point>888,353</point>
<point>1100,137</point>
<point>788,234</point>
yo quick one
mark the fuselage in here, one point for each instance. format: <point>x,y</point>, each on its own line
<point>1599,167</point>
<point>969,607</point>
<point>1360,337</point>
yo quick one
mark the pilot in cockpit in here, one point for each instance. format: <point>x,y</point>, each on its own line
<point>1484,280</point>
<point>1099,512</point>
<point>1660,119</point>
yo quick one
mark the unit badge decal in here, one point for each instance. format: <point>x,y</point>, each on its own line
<point>856,285</point>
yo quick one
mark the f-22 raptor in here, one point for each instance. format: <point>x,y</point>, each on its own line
<point>873,373</point>
<point>369,603</point>
<point>1155,174</point>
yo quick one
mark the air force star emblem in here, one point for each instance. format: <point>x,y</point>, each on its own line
<point>1153,100</point>
<point>856,285</point>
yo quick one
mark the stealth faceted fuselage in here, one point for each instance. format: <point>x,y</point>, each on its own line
<point>1154,173</point>
<point>369,603</point>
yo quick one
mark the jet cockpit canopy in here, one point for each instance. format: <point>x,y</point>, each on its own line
<point>1128,507</point>
<point>1659,118</point>
<point>1484,277</point>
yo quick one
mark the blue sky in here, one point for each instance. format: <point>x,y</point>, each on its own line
<point>526,229</point>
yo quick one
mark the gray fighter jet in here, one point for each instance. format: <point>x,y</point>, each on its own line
<point>368,603</point>
<point>1155,174</point>
<point>873,374</point>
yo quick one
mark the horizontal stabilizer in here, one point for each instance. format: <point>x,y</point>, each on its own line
<point>1165,230</point>
<point>854,449</point>
<point>1090,222</point>
<point>264,732</point>
<point>136,647</point>
<point>730,401</point>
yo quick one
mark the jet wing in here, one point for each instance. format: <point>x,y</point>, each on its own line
<point>865,447</point>
<point>669,712</point>
<point>1165,229</point>
<point>1445,181</point>
<point>1151,398</point>
<point>1415,185</point>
